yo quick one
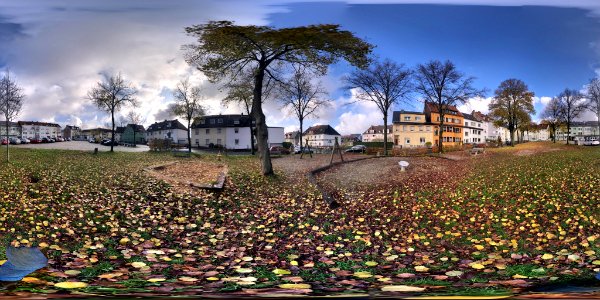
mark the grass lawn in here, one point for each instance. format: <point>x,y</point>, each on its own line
<point>508,219</point>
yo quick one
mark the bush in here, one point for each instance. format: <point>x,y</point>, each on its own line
<point>374,144</point>
<point>286,145</point>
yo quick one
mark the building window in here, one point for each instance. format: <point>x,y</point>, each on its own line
<point>237,141</point>
<point>412,128</point>
<point>219,129</point>
<point>197,141</point>
<point>236,130</point>
<point>403,127</point>
<point>220,121</point>
<point>406,118</point>
<point>422,140</point>
<point>407,140</point>
<point>207,142</point>
<point>207,131</point>
<point>417,118</point>
<point>197,131</point>
<point>202,121</point>
<point>420,128</point>
<point>212,121</point>
<point>218,141</point>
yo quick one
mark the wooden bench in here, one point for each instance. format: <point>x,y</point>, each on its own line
<point>475,151</point>
<point>181,153</point>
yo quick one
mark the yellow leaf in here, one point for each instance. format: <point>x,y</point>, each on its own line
<point>33,280</point>
<point>244,270</point>
<point>363,274</point>
<point>124,241</point>
<point>479,247</point>
<point>293,263</point>
<point>596,262</point>
<point>2,262</point>
<point>518,276</point>
<point>72,272</point>
<point>282,272</point>
<point>156,279</point>
<point>295,286</point>
<point>547,256</point>
<point>110,275</point>
<point>401,288</point>
<point>188,279</point>
<point>421,269</point>
<point>212,278</point>
<point>477,266</point>
<point>371,263</point>
<point>71,285</point>
<point>138,264</point>
<point>454,273</point>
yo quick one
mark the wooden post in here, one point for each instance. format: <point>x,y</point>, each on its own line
<point>302,150</point>
<point>336,147</point>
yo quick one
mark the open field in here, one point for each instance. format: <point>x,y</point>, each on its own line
<point>493,224</point>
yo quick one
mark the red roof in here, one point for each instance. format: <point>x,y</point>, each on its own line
<point>432,107</point>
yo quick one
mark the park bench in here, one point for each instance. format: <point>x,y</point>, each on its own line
<point>475,151</point>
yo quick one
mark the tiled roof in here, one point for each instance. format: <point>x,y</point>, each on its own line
<point>377,129</point>
<point>321,129</point>
<point>21,123</point>
<point>166,125</point>
<point>225,121</point>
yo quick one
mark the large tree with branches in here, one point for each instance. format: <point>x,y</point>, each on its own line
<point>11,102</point>
<point>384,83</point>
<point>225,51</point>
<point>188,105</point>
<point>302,96</point>
<point>593,96</point>
<point>553,115</point>
<point>512,105</point>
<point>110,95</point>
<point>443,85</point>
<point>573,105</point>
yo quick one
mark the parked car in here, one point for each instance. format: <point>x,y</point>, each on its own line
<point>298,150</point>
<point>36,141</point>
<point>108,142</point>
<point>25,141</point>
<point>45,140</point>
<point>357,148</point>
<point>52,140</point>
<point>5,141</point>
<point>15,140</point>
<point>279,150</point>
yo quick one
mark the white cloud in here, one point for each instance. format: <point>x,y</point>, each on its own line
<point>476,104</point>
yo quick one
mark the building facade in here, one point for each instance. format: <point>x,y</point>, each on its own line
<point>39,130</point>
<point>474,130</point>
<point>133,134</point>
<point>230,132</point>
<point>14,130</point>
<point>375,134</point>
<point>321,136</point>
<point>72,132</point>
<point>579,130</point>
<point>411,129</point>
<point>97,134</point>
<point>293,137</point>
<point>168,129</point>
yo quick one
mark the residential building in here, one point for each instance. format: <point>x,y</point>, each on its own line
<point>321,136</point>
<point>349,139</point>
<point>474,130</point>
<point>14,130</point>
<point>579,130</point>
<point>72,132</point>
<point>375,134</point>
<point>412,129</point>
<point>119,132</point>
<point>230,131</point>
<point>168,129</point>
<point>539,132</point>
<point>131,132</point>
<point>453,124</point>
<point>293,137</point>
<point>39,130</point>
<point>96,133</point>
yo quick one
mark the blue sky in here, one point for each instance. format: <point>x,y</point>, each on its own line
<point>58,49</point>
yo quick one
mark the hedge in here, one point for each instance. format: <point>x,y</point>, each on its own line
<point>374,144</point>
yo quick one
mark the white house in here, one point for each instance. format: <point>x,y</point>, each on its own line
<point>14,130</point>
<point>578,130</point>
<point>538,133</point>
<point>473,130</point>
<point>321,136</point>
<point>39,130</point>
<point>375,134</point>
<point>230,132</point>
<point>168,129</point>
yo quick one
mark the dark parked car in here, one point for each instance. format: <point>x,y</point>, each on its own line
<point>357,148</point>
<point>279,150</point>
<point>108,142</point>
<point>36,140</point>
<point>46,140</point>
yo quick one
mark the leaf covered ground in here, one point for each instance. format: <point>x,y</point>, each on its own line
<point>492,225</point>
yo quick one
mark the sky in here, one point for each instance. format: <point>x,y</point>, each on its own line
<point>58,49</point>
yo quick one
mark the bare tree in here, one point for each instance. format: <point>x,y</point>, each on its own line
<point>444,86</point>
<point>301,96</point>
<point>187,105</point>
<point>122,121</point>
<point>110,95</point>
<point>135,119</point>
<point>553,115</point>
<point>573,106</point>
<point>11,102</point>
<point>593,96</point>
<point>384,83</point>
<point>241,92</point>
<point>512,106</point>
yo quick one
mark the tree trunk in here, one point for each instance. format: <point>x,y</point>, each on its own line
<point>385,150</point>
<point>251,139</point>
<point>301,123</point>
<point>7,142</point>
<point>568,131</point>
<point>441,136</point>
<point>112,141</point>
<point>512,135</point>
<point>262,132</point>
<point>189,132</point>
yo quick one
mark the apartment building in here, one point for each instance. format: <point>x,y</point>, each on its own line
<point>411,129</point>
<point>474,130</point>
<point>375,133</point>
<point>168,129</point>
<point>321,136</point>
<point>230,132</point>
<point>39,130</point>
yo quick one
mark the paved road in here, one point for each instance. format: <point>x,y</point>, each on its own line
<point>81,145</point>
